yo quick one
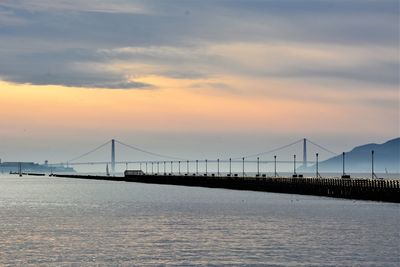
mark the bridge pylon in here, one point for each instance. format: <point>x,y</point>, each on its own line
<point>305,153</point>
<point>113,156</point>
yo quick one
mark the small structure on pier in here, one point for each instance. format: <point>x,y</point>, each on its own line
<point>133,172</point>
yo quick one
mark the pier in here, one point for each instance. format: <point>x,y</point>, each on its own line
<point>362,189</point>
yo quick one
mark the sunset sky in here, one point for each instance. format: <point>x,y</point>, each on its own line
<point>195,78</point>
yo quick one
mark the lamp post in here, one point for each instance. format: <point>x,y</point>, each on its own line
<point>343,158</point>
<point>218,167</point>
<point>243,166</point>
<point>372,163</point>
<point>294,165</point>
<point>230,167</point>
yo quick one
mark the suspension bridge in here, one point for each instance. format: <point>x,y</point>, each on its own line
<point>173,164</point>
<point>247,178</point>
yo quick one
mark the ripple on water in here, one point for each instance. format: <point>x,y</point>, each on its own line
<point>58,222</point>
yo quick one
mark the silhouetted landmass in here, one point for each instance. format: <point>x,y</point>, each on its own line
<point>387,159</point>
<point>33,167</point>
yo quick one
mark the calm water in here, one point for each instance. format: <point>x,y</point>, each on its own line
<point>63,222</point>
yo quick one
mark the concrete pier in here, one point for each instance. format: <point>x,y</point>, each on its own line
<point>365,189</point>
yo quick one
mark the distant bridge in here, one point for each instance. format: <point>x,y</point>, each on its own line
<point>186,172</point>
<point>174,164</point>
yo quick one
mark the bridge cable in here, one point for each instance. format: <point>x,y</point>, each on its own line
<point>149,152</point>
<point>270,151</point>
<point>91,151</point>
<point>323,148</point>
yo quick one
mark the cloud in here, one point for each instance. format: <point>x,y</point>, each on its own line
<point>8,18</point>
<point>80,80</point>
<point>64,68</point>
<point>104,44</point>
<point>111,6</point>
<point>217,85</point>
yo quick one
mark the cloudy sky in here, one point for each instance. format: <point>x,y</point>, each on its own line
<point>195,78</point>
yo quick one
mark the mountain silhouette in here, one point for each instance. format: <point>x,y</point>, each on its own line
<point>386,159</point>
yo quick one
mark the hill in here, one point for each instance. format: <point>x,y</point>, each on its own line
<point>387,159</point>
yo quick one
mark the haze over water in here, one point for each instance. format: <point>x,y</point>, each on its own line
<point>56,222</point>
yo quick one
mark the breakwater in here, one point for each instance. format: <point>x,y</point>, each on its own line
<point>29,173</point>
<point>365,189</point>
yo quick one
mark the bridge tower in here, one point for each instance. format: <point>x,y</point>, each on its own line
<point>113,156</point>
<point>304,153</point>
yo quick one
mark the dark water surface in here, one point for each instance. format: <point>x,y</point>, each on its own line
<point>63,222</point>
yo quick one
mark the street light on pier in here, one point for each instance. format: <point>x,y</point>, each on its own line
<point>373,175</point>
<point>317,175</point>
<point>275,166</point>
<point>344,175</point>
<point>206,168</point>
<point>217,167</point>
<point>343,156</point>
<point>243,166</point>
<point>258,166</point>
<point>343,163</point>
<point>165,168</point>
<point>294,166</point>
<point>230,167</point>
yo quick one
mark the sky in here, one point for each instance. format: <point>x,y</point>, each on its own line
<point>195,79</point>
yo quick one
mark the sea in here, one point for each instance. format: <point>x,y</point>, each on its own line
<point>48,221</point>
